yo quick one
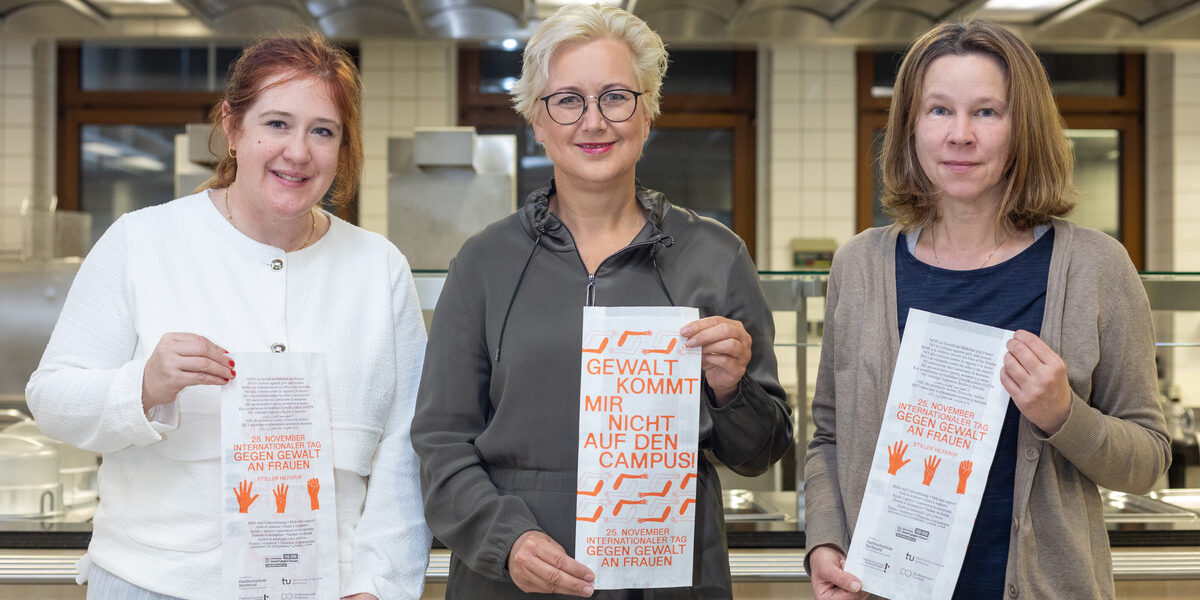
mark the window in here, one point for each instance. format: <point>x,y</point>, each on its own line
<point>705,131</point>
<point>1100,97</point>
<point>120,108</point>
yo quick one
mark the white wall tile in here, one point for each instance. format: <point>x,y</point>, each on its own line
<point>404,83</point>
<point>785,174</point>
<point>404,54</point>
<point>18,171</point>
<point>785,58</point>
<point>433,84</point>
<point>18,140</point>
<point>433,113</point>
<point>377,83</point>
<point>812,58</point>
<point>785,114</point>
<point>785,145</point>
<point>18,81</point>
<point>17,111</point>
<point>785,87</point>
<point>839,60</point>
<point>18,53</point>
<point>434,55</point>
<point>404,113</point>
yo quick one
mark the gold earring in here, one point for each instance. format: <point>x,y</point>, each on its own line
<point>232,153</point>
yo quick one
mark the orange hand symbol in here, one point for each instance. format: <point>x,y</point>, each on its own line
<point>931,465</point>
<point>314,486</point>
<point>281,491</point>
<point>244,499</point>
<point>896,457</point>
<point>964,473</point>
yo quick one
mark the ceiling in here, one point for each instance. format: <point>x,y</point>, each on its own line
<point>1054,22</point>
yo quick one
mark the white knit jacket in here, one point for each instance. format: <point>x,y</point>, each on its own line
<point>182,267</point>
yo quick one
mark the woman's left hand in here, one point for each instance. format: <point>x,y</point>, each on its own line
<point>1036,378</point>
<point>360,596</point>
<point>725,351</point>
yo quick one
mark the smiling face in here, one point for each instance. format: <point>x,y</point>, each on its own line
<point>287,150</point>
<point>593,152</point>
<point>964,128</point>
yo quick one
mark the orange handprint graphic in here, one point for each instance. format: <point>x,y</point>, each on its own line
<point>964,473</point>
<point>896,457</point>
<point>244,499</point>
<point>314,486</point>
<point>281,491</point>
<point>931,465</point>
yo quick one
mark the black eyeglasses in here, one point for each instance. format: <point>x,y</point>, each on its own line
<point>565,108</point>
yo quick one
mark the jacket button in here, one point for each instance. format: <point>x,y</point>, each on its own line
<point>1031,453</point>
<point>276,265</point>
<point>1012,590</point>
<point>1016,526</point>
<point>278,348</point>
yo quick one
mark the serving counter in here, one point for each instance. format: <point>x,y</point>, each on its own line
<point>1155,538</point>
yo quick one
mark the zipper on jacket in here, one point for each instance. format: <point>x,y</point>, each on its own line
<point>590,293</point>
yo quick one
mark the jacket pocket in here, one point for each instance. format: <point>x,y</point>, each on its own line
<point>171,506</point>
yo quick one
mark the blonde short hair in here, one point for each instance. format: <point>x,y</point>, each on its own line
<point>1038,181</point>
<point>579,23</point>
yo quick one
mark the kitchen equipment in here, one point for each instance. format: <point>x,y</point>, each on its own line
<point>77,468</point>
<point>1120,507</point>
<point>12,416</point>
<point>444,185</point>
<point>29,478</point>
<point>744,505</point>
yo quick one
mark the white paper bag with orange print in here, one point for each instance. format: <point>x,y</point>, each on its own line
<point>639,428</point>
<point>944,413</point>
<point>280,527</point>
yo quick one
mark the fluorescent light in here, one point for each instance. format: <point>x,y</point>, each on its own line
<point>509,44</point>
<point>1034,5</point>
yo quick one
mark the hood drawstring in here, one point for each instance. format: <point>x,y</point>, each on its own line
<point>666,241</point>
<point>511,301</point>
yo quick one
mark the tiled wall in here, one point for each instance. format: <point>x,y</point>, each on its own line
<point>405,83</point>
<point>811,148</point>
<point>16,136</point>
<point>1173,199</point>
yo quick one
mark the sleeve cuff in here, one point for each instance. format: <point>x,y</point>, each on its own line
<point>136,425</point>
<point>360,583</point>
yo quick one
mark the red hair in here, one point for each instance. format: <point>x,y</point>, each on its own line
<point>307,55</point>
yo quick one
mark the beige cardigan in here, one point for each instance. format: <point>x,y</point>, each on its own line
<point>1097,318</point>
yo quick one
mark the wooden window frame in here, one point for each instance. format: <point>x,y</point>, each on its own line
<point>735,111</point>
<point>1125,113</point>
<point>78,107</point>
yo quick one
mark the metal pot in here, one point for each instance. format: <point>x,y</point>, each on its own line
<point>29,478</point>
<point>77,468</point>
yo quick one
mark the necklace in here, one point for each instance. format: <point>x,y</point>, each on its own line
<point>933,236</point>
<point>311,214</point>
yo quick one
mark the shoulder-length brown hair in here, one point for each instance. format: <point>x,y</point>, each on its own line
<point>305,55</point>
<point>1038,173</point>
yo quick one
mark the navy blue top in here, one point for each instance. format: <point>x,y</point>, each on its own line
<point>1010,295</point>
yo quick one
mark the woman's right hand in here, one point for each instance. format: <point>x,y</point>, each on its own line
<point>830,580</point>
<point>181,360</point>
<point>538,564</point>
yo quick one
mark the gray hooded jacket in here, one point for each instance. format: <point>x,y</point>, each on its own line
<point>497,419</point>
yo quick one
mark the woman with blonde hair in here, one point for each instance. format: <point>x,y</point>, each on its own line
<point>249,263</point>
<point>498,411</point>
<point>977,172</point>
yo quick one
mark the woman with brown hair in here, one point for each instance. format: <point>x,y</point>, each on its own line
<point>977,172</point>
<point>249,263</point>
